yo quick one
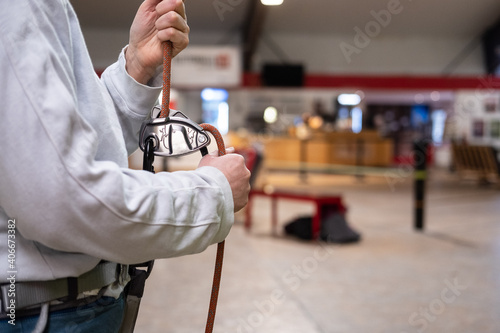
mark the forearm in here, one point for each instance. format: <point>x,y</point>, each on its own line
<point>127,217</point>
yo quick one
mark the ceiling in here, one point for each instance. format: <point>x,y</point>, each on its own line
<point>464,18</point>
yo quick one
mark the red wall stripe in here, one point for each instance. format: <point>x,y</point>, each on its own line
<point>389,82</point>
<point>251,79</point>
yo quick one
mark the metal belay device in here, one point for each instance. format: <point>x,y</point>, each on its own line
<point>169,133</point>
<point>174,135</point>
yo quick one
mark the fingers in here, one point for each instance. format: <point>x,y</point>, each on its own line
<point>235,171</point>
<point>240,184</point>
<point>172,25</point>
<point>172,19</point>
<point>239,179</point>
<point>166,6</point>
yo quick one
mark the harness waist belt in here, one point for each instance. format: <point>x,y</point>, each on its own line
<point>38,292</point>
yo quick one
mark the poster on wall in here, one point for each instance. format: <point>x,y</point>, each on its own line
<point>491,104</point>
<point>207,66</point>
<point>478,129</point>
<point>495,129</point>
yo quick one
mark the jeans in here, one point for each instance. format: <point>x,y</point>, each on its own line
<point>103,315</point>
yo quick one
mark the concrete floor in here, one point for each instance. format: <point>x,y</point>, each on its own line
<point>446,279</point>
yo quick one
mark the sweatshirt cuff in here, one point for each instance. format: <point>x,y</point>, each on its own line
<point>138,98</point>
<point>226,207</point>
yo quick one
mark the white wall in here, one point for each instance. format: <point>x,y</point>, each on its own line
<point>290,103</point>
<point>382,55</point>
<point>322,54</point>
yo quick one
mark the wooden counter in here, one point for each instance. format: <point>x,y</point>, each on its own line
<point>365,149</point>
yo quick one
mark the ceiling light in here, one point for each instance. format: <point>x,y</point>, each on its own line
<point>270,115</point>
<point>271,2</point>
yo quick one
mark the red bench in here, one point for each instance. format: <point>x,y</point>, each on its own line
<point>319,200</point>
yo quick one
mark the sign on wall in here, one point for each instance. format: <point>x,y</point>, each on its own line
<point>207,66</point>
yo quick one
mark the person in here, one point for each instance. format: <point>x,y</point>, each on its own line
<point>68,203</point>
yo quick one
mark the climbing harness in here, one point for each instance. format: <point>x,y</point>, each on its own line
<point>165,134</point>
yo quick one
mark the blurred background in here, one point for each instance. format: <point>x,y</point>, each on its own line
<point>378,118</point>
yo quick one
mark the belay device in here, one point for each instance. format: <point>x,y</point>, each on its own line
<point>165,134</point>
<point>172,136</point>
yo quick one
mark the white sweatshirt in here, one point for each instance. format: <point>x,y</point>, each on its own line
<point>65,136</point>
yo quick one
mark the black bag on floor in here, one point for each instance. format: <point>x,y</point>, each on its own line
<point>301,227</point>
<point>334,227</point>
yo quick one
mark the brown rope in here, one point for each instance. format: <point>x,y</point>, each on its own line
<point>215,288</point>
<point>167,69</point>
<point>217,136</point>
<point>165,111</point>
<point>220,247</point>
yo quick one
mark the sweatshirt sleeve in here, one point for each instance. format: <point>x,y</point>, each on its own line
<point>133,101</point>
<point>65,198</point>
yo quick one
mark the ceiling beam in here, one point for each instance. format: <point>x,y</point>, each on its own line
<point>252,30</point>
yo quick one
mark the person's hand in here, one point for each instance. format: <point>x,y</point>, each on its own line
<point>156,21</point>
<point>233,167</point>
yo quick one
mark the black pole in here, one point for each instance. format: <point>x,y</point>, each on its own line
<point>303,160</point>
<point>420,162</point>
